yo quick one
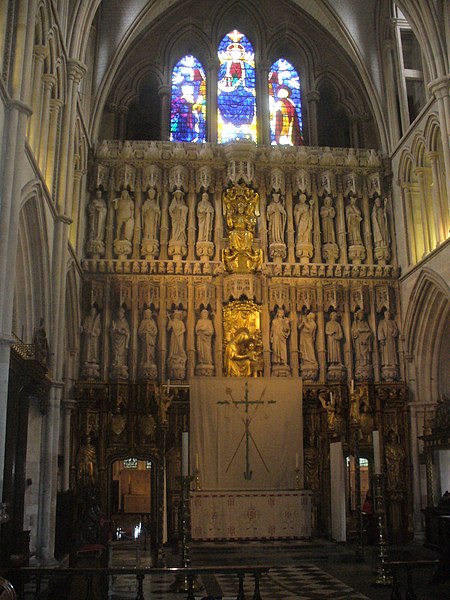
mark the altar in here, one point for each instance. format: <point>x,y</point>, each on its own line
<point>244,515</point>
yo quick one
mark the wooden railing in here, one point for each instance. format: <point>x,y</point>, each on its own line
<point>407,566</point>
<point>92,583</point>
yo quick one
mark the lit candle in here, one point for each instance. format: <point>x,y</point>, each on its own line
<point>296,460</point>
<point>376,452</point>
<point>185,453</point>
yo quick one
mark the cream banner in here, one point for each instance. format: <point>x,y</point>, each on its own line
<point>246,434</point>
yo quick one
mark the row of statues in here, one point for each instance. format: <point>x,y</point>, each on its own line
<point>243,352</point>
<point>276,215</point>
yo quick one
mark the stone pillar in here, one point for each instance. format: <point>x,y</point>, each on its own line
<point>48,480</point>
<point>190,327</point>
<point>262,103</point>
<point>218,327</point>
<point>290,225</point>
<point>218,221</point>
<point>439,214</point>
<point>211,94</point>
<point>55,107</point>
<point>321,348</point>
<point>313,98</point>
<point>162,329</point>
<point>191,229</point>
<point>265,330</point>
<point>391,92</point>
<point>440,88</point>
<point>317,258</point>
<point>354,131</point>
<point>340,226</point>
<point>164,93</point>
<point>164,235</point>
<point>348,344</point>
<point>122,113</point>
<point>48,83</point>
<point>366,229</point>
<point>423,210</point>
<point>409,229</point>
<point>294,363</point>
<point>69,406</point>
<point>77,211</point>
<point>40,53</point>
<point>137,235</point>
<point>372,320</point>
<point>263,217</point>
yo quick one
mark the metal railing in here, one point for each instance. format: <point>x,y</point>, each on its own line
<point>92,583</point>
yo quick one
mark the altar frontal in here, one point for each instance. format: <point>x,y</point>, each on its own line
<point>246,440</point>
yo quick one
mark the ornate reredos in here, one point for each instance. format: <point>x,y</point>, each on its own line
<point>241,209</point>
<point>242,324</point>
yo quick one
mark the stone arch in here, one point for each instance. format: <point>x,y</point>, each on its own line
<point>426,322</point>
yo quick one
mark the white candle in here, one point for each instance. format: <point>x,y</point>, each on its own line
<point>376,452</point>
<point>185,453</point>
<point>352,386</point>
<point>296,460</point>
<point>331,397</point>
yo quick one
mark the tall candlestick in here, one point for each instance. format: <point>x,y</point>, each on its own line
<point>185,453</point>
<point>376,452</point>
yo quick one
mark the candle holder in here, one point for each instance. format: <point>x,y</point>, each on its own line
<point>297,478</point>
<point>383,575</point>
<point>183,583</point>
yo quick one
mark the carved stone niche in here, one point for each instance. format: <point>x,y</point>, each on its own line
<point>236,286</point>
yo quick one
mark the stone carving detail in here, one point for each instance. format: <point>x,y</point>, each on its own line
<point>120,340</point>
<point>97,211</point>
<point>147,332</point>
<point>40,344</point>
<point>303,217</point>
<point>276,216</point>
<point>387,335</point>
<point>380,227</point>
<point>205,216</point>
<point>151,215</point>
<point>176,361</point>
<point>204,330</point>
<point>307,327</point>
<point>395,462</point>
<point>356,249</point>
<point>279,334</point>
<point>362,337</point>
<point>330,250</point>
<point>178,213</point>
<point>335,335</point>
<point>124,207</point>
<point>90,358</point>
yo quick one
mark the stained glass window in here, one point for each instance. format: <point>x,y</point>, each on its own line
<point>188,108</point>
<point>285,104</point>
<point>236,94</point>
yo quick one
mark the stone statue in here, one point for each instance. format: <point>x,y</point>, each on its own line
<point>147,332</point>
<point>387,336</point>
<point>204,330</point>
<point>395,462</point>
<point>303,217</point>
<point>124,207</point>
<point>91,329</point>
<point>177,354</point>
<point>354,218</point>
<point>363,341</point>
<point>276,216</point>
<point>163,400</point>
<point>307,327</point>
<point>178,213</point>
<point>279,334</point>
<point>335,335</point>
<point>40,345</point>
<point>380,224</point>
<point>151,214</point>
<point>205,216</point>
<point>97,211</point>
<point>120,339</point>
<point>328,214</point>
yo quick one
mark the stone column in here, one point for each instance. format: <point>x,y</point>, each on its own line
<point>40,53</point>
<point>218,220</point>
<point>391,93</point>
<point>218,327</point>
<point>190,327</point>
<point>211,94</point>
<point>262,103</point>
<point>164,231</point>
<point>366,229</point>
<point>69,406</point>
<point>321,348</point>
<point>348,344</point>
<point>409,222</point>
<point>440,88</point>
<point>265,330</point>
<point>263,217</point>
<point>77,211</point>
<point>354,131</point>
<point>290,225</point>
<point>164,93</point>
<point>109,237</point>
<point>137,235</point>
<point>55,107</point>
<point>48,83</point>
<point>423,210</point>
<point>340,226</point>
<point>191,229</point>
<point>162,329</point>
<point>440,217</point>
<point>317,258</point>
<point>293,340</point>
<point>313,98</point>
<point>372,320</point>
<point>122,113</point>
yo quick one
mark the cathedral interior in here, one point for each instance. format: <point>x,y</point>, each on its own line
<point>227,231</point>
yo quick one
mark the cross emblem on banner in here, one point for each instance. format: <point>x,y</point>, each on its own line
<point>247,419</point>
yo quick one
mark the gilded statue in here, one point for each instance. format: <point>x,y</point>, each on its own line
<point>243,355</point>
<point>241,209</point>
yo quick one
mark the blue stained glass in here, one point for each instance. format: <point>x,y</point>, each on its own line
<point>188,108</point>
<point>285,104</point>
<point>236,94</point>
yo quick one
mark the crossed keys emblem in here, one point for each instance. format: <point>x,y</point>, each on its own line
<point>247,419</point>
